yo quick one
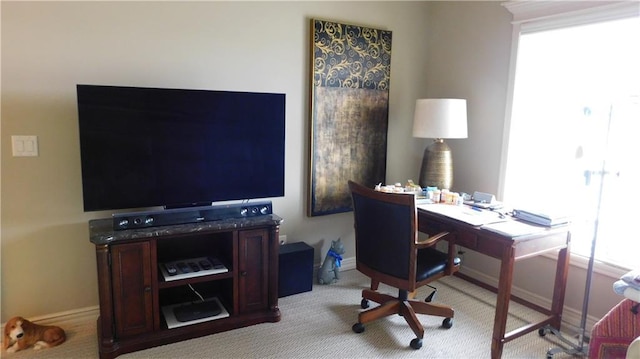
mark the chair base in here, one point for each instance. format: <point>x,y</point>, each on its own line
<point>405,306</point>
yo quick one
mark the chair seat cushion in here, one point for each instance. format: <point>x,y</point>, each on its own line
<point>432,262</point>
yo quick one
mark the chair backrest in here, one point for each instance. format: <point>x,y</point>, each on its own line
<point>386,235</point>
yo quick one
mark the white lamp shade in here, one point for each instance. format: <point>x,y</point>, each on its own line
<point>440,118</point>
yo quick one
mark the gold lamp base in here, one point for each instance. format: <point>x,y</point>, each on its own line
<point>437,166</point>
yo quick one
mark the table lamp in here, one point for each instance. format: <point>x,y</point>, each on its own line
<point>439,119</point>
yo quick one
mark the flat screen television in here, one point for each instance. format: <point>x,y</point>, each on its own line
<point>146,147</point>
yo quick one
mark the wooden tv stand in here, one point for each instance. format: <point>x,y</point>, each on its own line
<point>134,295</point>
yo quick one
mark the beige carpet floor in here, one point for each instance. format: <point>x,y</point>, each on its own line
<point>317,324</point>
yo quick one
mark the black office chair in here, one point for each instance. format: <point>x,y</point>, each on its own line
<point>388,251</point>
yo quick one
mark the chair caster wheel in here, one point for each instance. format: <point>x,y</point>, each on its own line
<point>364,304</point>
<point>416,343</point>
<point>447,323</point>
<point>358,327</point>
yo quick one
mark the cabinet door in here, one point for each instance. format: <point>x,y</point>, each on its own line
<point>132,292</point>
<point>254,269</point>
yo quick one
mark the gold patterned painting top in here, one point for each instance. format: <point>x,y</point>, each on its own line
<point>351,56</point>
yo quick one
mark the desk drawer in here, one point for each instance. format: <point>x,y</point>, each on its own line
<point>467,239</point>
<point>432,228</point>
<point>464,238</point>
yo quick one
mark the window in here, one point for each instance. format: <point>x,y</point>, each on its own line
<point>573,128</point>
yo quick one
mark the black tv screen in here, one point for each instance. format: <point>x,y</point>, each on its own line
<point>146,147</point>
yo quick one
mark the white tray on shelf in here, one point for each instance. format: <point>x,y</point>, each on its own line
<point>172,322</point>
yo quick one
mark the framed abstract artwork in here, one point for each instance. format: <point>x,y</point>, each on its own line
<point>351,67</point>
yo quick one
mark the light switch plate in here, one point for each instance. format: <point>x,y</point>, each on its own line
<point>24,146</point>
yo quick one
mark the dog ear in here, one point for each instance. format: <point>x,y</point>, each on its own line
<point>7,329</point>
<point>6,340</point>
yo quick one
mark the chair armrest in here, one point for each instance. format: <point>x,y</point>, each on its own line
<point>428,242</point>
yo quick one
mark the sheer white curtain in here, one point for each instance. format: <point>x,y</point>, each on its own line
<point>571,134</point>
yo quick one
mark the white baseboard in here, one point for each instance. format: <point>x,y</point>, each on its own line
<point>348,263</point>
<point>82,313</point>
<point>86,313</point>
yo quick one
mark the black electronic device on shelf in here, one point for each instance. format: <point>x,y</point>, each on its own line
<point>184,314</point>
<point>167,217</point>
<point>196,310</point>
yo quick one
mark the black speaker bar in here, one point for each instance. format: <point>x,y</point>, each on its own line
<point>167,217</point>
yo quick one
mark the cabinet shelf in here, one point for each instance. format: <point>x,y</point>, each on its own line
<point>136,298</point>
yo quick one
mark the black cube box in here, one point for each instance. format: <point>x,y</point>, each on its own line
<point>295,272</point>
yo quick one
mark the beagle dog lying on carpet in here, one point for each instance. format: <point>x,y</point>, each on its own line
<point>20,334</point>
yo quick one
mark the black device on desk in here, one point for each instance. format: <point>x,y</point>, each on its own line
<point>484,201</point>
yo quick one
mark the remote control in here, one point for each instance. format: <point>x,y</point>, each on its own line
<point>183,267</point>
<point>217,264</point>
<point>194,267</point>
<point>205,264</point>
<point>171,269</point>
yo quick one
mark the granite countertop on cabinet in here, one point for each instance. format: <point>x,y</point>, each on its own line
<point>101,230</point>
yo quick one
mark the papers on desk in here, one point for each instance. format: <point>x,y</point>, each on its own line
<point>513,228</point>
<point>472,216</point>
<point>485,219</point>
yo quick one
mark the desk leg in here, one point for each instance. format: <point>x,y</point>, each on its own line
<point>502,302</point>
<point>560,286</point>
